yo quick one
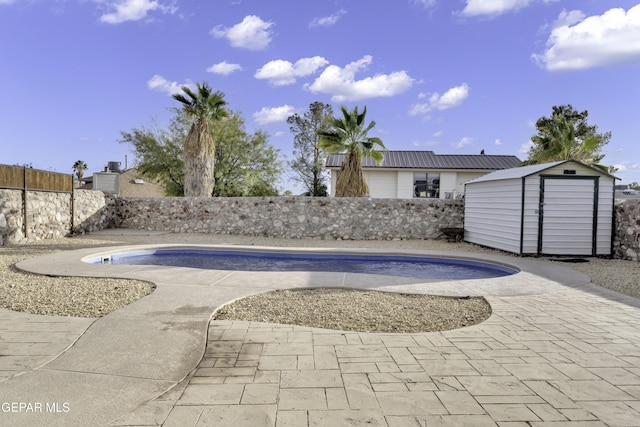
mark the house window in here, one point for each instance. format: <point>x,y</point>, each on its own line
<point>426,185</point>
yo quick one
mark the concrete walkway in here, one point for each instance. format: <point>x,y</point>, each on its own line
<point>557,351</point>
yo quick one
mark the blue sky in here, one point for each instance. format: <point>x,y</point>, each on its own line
<point>454,76</point>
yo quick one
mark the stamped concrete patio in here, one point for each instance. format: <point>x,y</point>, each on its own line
<point>557,351</point>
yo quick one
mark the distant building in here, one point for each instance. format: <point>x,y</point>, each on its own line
<point>422,174</point>
<point>129,183</point>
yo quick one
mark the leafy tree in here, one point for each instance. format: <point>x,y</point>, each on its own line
<point>159,154</point>
<point>246,165</point>
<point>204,107</point>
<point>308,158</point>
<point>566,135</point>
<point>634,186</point>
<point>348,134</point>
<point>79,167</point>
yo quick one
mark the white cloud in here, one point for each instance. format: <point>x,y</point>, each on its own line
<point>281,73</point>
<point>6,1</point>
<point>274,114</point>
<point>424,3</point>
<point>161,84</point>
<point>497,7</point>
<point>525,148</point>
<point>497,142</point>
<point>463,142</point>
<point>342,85</point>
<point>252,33</point>
<point>577,42</point>
<point>327,21</point>
<point>493,7</point>
<point>438,134</point>
<point>451,98</point>
<point>133,10</point>
<point>224,68</point>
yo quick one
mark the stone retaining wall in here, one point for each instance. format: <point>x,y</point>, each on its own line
<point>626,242</point>
<point>11,216</point>
<point>49,214</point>
<point>94,210</point>
<point>294,217</point>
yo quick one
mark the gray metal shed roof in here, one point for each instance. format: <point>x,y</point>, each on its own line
<point>430,160</point>
<point>524,171</point>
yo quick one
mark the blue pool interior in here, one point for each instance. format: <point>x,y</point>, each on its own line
<point>393,265</point>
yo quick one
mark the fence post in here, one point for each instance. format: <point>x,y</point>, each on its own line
<point>73,209</point>
<point>24,203</point>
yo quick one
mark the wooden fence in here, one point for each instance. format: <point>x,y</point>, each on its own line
<point>24,178</point>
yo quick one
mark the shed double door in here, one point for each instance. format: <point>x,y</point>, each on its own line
<point>568,212</point>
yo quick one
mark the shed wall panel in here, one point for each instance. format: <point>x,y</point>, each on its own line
<point>530,215</point>
<point>492,214</point>
<point>605,216</point>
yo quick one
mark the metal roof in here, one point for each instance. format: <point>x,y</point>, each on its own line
<point>525,171</point>
<point>430,160</point>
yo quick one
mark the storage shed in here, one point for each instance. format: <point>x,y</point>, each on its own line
<point>560,208</point>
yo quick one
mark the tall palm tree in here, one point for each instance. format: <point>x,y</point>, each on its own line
<point>348,134</point>
<point>79,167</point>
<point>203,106</point>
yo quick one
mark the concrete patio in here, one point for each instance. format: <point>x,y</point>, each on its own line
<point>557,351</point>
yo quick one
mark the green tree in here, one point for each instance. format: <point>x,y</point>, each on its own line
<point>566,135</point>
<point>308,159</point>
<point>634,186</point>
<point>79,167</point>
<point>246,164</point>
<point>205,107</point>
<point>348,134</point>
<point>159,153</point>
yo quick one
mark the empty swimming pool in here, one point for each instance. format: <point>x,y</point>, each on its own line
<point>243,260</point>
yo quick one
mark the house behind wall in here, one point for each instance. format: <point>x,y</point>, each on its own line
<point>422,174</point>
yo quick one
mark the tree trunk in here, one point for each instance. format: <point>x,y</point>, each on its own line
<point>199,157</point>
<point>350,182</point>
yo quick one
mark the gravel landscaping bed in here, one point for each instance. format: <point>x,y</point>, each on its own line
<point>62,296</point>
<point>325,308</point>
<point>360,311</point>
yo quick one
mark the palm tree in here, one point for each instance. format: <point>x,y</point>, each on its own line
<point>203,106</point>
<point>348,135</point>
<point>557,141</point>
<point>79,167</point>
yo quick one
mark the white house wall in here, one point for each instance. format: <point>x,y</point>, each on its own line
<point>448,182</point>
<point>382,184</point>
<point>404,188</point>
<point>399,183</point>
<point>492,214</point>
